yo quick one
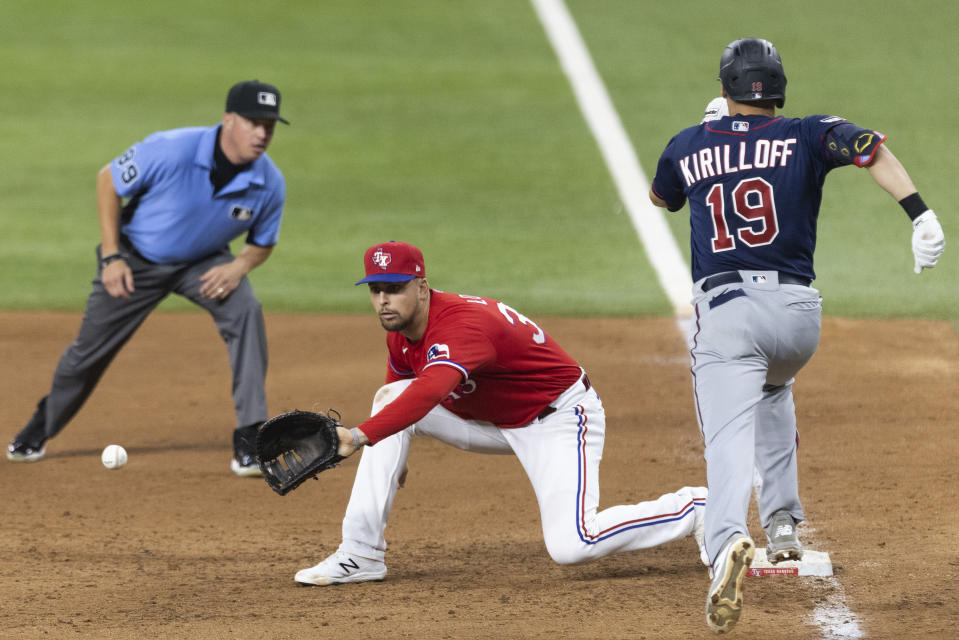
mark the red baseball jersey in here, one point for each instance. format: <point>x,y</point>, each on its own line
<point>511,369</point>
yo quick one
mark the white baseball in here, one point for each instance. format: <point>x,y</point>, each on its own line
<point>114,456</point>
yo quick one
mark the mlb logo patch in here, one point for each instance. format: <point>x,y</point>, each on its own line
<point>437,352</point>
<point>241,213</point>
<point>759,279</point>
<point>382,259</point>
<point>740,126</point>
<point>266,98</point>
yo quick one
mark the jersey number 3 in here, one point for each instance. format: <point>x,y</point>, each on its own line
<point>539,336</point>
<point>752,201</point>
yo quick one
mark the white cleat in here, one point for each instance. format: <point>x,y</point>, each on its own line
<point>724,603</point>
<point>342,567</point>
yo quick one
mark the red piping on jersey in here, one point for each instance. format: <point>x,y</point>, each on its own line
<point>862,161</point>
<point>669,207</point>
<point>751,128</point>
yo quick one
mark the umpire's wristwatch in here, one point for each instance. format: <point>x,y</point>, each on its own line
<point>113,257</point>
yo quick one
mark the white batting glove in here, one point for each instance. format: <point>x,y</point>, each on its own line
<point>716,109</point>
<point>928,241</point>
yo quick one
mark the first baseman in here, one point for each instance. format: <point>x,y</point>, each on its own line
<point>754,185</point>
<point>479,375</point>
<point>188,193</point>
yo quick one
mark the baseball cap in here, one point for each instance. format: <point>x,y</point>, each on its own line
<point>393,262</point>
<point>254,99</point>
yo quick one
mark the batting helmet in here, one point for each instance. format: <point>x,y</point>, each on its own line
<point>751,70</point>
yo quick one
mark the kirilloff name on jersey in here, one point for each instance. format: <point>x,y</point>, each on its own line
<point>723,159</point>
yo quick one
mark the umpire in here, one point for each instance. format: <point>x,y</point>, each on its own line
<point>188,192</point>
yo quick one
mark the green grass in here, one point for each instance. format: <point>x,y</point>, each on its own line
<point>451,125</point>
<point>880,64</point>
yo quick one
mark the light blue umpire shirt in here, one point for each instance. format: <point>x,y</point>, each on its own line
<point>177,217</point>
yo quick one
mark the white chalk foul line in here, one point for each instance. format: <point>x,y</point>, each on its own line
<point>834,618</point>
<point>618,152</point>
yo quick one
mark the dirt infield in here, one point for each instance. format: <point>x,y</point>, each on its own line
<point>175,546</point>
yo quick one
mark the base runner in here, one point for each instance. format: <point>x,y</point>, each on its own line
<point>754,185</point>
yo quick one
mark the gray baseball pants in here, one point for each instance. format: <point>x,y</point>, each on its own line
<point>108,323</point>
<point>747,341</point>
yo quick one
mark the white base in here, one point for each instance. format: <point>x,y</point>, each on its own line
<point>813,563</point>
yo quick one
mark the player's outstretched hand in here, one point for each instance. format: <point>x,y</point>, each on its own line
<point>716,109</point>
<point>928,241</point>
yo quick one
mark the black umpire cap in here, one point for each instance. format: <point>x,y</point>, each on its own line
<point>254,100</point>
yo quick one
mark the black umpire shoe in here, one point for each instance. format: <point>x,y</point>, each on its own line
<point>18,451</point>
<point>244,461</point>
<point>30,444</point>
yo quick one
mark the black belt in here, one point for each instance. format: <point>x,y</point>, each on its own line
<point>551,409</point>
<point>730,277</point>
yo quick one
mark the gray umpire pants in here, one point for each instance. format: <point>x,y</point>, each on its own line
<point>747,343</point>
<point>108,323</point>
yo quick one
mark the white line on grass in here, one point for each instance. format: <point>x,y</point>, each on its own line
<point>618,152</point>
<point>834,618</point>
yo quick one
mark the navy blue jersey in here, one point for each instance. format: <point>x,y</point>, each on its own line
<point>754,186</point>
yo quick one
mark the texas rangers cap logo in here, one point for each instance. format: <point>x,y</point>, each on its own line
<point>382,259</point>
<point>392,262</point>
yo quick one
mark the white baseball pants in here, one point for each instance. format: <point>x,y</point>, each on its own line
<point>560,454</point>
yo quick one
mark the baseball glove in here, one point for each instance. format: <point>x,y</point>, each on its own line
<point>295,446</point>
